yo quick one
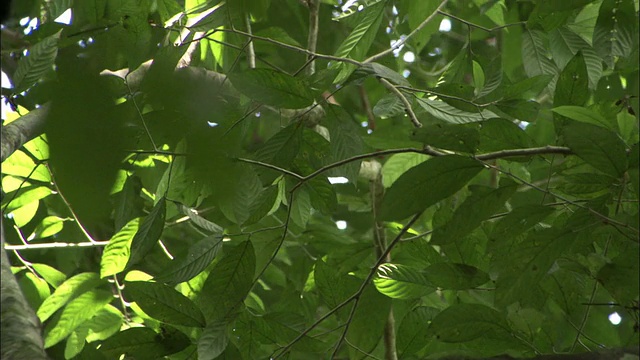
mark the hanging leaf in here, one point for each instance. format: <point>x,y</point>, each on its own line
<point>165,304</point>
<point>447,275</point>
<point>604,150</point>
<point>200,255</point>
<point>148,233</point>
<point>572,87</point>
<point>412,333</point>
<point>228,283</point>
<point>615,30</point>
<point>402,282</point>
<point>272,88</point>
<point>463,322</point>
<point>144,343</point>
<point>116,254</point>
<point>37,63</point>
<point>535,54</point>
<point>448,113</point>
<point>213,341</point>
<point>584,115</point>
<point>425,184</point>
<point>67,291</point>
<point>463,138</point>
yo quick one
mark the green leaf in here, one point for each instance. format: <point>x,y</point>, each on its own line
<point>272,88</point>
<point>564,44</point>
<point>144,344</point>
<point>616,30</point>
<point>165,304</point>
<point>52,276</point>
<point>447,275</point>
<point>426,184</point>
<point>519,220</point>
<point>586,185</point>
<point>332,286</point>
<point>280,150</point>
<point>584,115</point>
<point>301,208</point>
<point>369,320</point>
<point>263,204</point>
<point>416,12</point>
<point>129,203</point>
<point>412,335</point>
<point>148,233</point>
<point>535,55</point>
<point>24,197</point>
<point>101,326</point>
<point>382,71</point>
<point>116,254</point>
<point>74,314</point>
<point>322,196</point>
<point>67,291</point>
<point>21,165</point>
<point>483,202</point>
<point>523,110</point>
<point>602,149</point>
<point>228,283</point>
<point>464,322</point>
<point>448,113</point>
<point>345,140</point>
<point>200,255</point>
<point>572,87</point>
<point>398,164</point>
<point>620,277</point>
<point>524,89</point>
<point>200,221</point>
<point>357,44</point>
<point>388,106</point>
<point>37,63</point>
<point>213,341</point>
<point>49,226</point>
<point>521,268</point>
<point>402,282</point>
<point>502,134</point>
<point>448,136</point>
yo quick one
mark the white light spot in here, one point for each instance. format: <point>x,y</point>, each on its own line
<point>338,180</point>
<point>360,7</point>
<point>212,124</point>
<point>347,5</point>
<point>615,318</point>
<point>445,25</point>
<point>409,57</point>
<point>64,18</point>
<point>24,21</point>
<point>523,124</point>
<point>32,25</point>
<point>364,124</point>
<point>406,73</point>
<point>388,30</point>
<point>369,131</point>
<point>6,83</point>
<point>341,224</point>
<point>258,114</point>
<point>394,10</point>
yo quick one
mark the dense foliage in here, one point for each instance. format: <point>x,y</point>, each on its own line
<point>305,179</point>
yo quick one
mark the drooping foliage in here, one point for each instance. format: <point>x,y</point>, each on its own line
<point>315,179</point>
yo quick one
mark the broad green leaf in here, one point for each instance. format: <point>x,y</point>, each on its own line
<point>209,19</point>
<point>200,255</point>
<point>116,254</point>
<point>129,203</point>
<point>493,10</point>
<point>148,233</point>
<point>106,322</point>
<point>333,286</point>
<point>586,185</point>
<point>24,196</point>
<point>584,115</point>
<point>412,335</point>
<point>483,202</point>
<point>620,276</point>
<point>463,322</point>
<point>519,220</point>
<point>602,149</point>
<point>616,30</point>
<point>49,226</point>
<point>564,44</point>
<point>144,343</point>
<point>457,137</point>
<point>52,276</point>
<point>523,110</point>
<point>369,320</point>
<point>521,268</point>
<point>398,164</point>
<point>458,68</point>
<point>200,221</point>
<point>448,113</point>
<point>502,134</point>
<point>388,106</point>
<point>263,204</point>
<point>382,71</point>
<point>165,304</point>
<point>357,44</point>
<point>402,282</point>
<point>416,12</point>
<point>280,150</point>
<point>572,87</point>
<point>272,88</point>
<point>74,314</point>
<point>67,291</point>
<point>213,341</point>
<point>535,55</point>
<point>34,288</point>
<point>448,275</point>
<point>322,196</point>
<point>228,283</point>
<point>426,184</point>
<point>524,89</point>
<point>23,215</point>
<point>633,168</point>
<point>345,140</point>
<point>37,63</point>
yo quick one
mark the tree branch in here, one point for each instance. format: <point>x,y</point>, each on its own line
<point>22,130</point>
<point>405,102</point>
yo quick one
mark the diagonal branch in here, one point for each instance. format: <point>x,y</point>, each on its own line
<point>22,130</point>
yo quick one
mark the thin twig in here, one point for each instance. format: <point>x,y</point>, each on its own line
<point>251,53</point>
<point>405,102</point>
<point>55,245</point>
<point>401,42</point>
<point>312,39</point>
<point>135,104</point>
<point>273,167</point>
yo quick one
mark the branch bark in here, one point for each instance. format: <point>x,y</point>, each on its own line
<point>20,131</point>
